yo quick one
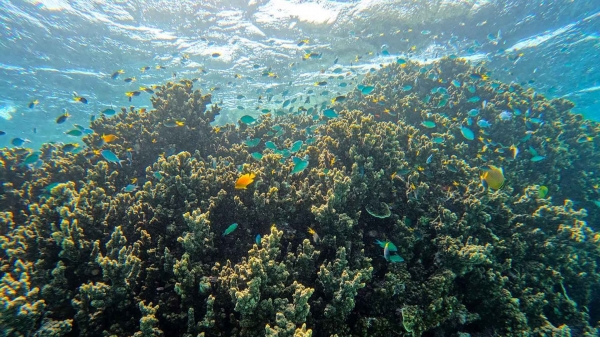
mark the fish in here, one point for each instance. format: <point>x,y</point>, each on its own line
<point>407,88</point>
<point>270,145</point>
<point>70,147</point>
<point>311,56</point>
<point>438,140</point>
<point>492,177</point>
<point>505,116</point>
<point>109,112</point>
<point>247,119</point>
<point>256,155</point>
<point>396,259</point>
<point>33,103</point>
<point>314,234</point>
<point>299,165</point>
<point>477,76</point>
<point>338,99</point>
<point>429,159</point>
<point>482,123</point>
<point>171,123</point>
<point>542,192</point>
<point>533,152</point>
<point>108,138</point>
<point>74,132</point>
<point>117,73</point>
<point>32,158</point>
<point>158,175</point>
<point>257,239</point>
<point>330,113</point>
<point>230,229</point>
<point>391,246</point>
<point>2,133</point>
<point>515,151</point>
<point>584,139</point>
<point>146,89</point>
<point>428,124</point>
<point>367,89</point>
<point>62,118</point>
<point>537,158</point>
<point>386,251</point>
<point>131,94</point>
<point>144,68</point>
<point>110,157</point>
<point>130,79</point>
<point>215,55</point>
<point>321,83</point>
<point>80,99</point>
<point>467,133</point>
<point>130,188</point>
<point>244,180</point>
<point>252,142</point>
<point>302,42</point>
<point>296,146</point>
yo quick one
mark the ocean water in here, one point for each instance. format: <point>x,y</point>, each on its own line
<point>299,168</point>
<point>51,49</point>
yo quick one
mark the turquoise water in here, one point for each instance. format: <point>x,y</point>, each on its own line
<point>299,168</point>
<point>50,49</point>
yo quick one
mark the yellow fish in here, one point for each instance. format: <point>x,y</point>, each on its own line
<point>515,151</point>
<point>108,138</point>
<point>314,234</point>
<point>244,180</point>
<point>492,177</point>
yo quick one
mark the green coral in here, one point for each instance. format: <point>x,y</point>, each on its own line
<point>261,290</point>
<point>341,284</point>
<point>20,304</point>
<point>80,256</point>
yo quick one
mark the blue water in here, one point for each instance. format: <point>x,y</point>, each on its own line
<point>50,49</point>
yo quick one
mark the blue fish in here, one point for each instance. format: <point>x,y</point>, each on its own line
<point>270,145</point>
<point>483,123</point>
<point>110,157</point>
<point>299,165</point>
<point>129,156</point>
<point>329,113</point>
<point>32,158</point>
<point>19,141</point>
<point>130,188</point>
<point>505,115</point>
<point>109,112</point>
<point>296,146</point>
<point>467,133</point>
<point>252,142</point>
<point>257,239</point>
<point>230,229</point>
<point>367,90</point>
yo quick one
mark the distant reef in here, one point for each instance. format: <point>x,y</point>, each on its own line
<point>440,202</point>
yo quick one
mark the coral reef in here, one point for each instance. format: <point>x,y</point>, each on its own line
<point>81,255</point>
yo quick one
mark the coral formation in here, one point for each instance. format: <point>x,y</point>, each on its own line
<point>82,256</point>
